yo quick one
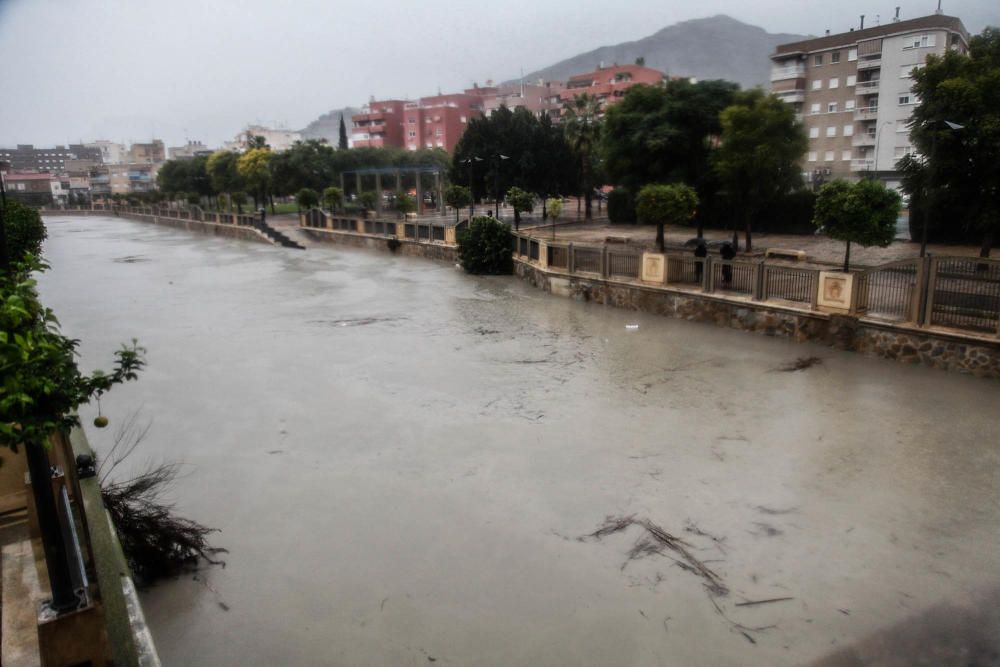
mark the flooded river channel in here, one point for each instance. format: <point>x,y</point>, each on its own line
<point>402,460</point>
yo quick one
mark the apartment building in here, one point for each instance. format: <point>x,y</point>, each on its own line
<point>25,157</point>
<point>540,98</point>
<point>111,152</point>
<point>608,84</point>
<point>853,93</point>
<point>147,153</point>
<point>437,121</point>
<point>379,125</point>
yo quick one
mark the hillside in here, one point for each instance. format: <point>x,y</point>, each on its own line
<point>718,47</point>
<point>327,126</point>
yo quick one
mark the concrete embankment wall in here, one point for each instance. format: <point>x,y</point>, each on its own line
<point>227,231</point>
<point>406,247</point>
<point>908,344</point>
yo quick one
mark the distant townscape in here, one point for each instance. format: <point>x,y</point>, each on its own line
<point>834,83</point>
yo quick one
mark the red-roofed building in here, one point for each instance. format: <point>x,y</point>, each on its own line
<point>608,84</point>
<point>32,188</point>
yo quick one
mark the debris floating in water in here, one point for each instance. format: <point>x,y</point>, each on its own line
<point>631,326</point>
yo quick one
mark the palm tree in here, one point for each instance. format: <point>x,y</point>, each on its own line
<point>582,125</point>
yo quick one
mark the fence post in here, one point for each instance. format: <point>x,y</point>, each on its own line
<point>814,291</point>
<point>759,270</point>
<point>708,281</point>
<point>930,283</point>
<point>570,258</point>
<point>604,261</point>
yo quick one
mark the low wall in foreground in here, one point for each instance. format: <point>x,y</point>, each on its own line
<point>905,343</point>
<point>406,247</point>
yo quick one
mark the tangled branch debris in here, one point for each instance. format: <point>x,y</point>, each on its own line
<point>156,542</point>
<point>656,541</point>
<point>801,364</point>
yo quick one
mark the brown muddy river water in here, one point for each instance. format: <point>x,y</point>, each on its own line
<point>401,460</point>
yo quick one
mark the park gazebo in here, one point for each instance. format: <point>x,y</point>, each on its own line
<point>397,175</point>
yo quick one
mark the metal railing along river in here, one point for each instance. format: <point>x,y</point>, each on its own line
<point>957,293</point>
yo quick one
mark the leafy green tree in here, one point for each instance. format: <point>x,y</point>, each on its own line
<point>621,206</point>
<point>342,143</point>
<point>537,156</point>
<point>239,198</point>
<point>193,198</point>
<point>956,126</point>
<point>405,204</point>
<point>307,198</point>
<point>307,164</point>
<point>333,197</point>
<point>758,161</point>
<point>864,212</point>
<point>458,197</point>
<point>368,200</point>
<point>555,207</point>
<point>661,205</point>
<point>582,126</point>
<point>222,172</point>
<point>484,247</point>
<point>666,134</point>
<point>24,230</point>
<point>520,201</point>
<point>254,168</point>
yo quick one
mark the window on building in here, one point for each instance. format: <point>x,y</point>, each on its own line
<point>411,120</point>
<point>831,107</point>
<point>812,156</point>
<point>846,156</point>
<point>463,119</point>
<point>412,134</point>
<point>814,133</point>
<point>900,151</point>
<point>851,80</point>
<point>817,84</point>
<point>814,108</point>
<point>818,59</point>
<point>834,83</point>
<point>439,132</point>
<point>904,99</point>
<point>831,131</point>
<point>852,55</point>
<point>835,57</point>
<point>849,130</point>
<point>849,105</point>
<point>920,41</point>
<point>829,156</point>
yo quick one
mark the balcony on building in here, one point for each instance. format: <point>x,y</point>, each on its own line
<point>866,113</point>
<point>783,72</point>
<point>870,62</point>
<point>866,87</point>
<point>863,164</point>
<point>864,139</point>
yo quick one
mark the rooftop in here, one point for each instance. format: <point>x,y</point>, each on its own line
<point>938,21</point>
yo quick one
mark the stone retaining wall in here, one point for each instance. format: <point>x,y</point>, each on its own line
<point>407,247</point>
<point>950,351</point>
<point>214,228</point>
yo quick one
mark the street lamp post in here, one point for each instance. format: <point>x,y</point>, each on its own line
<point>933,162</point>
<point>472,197</point>
<point>496,201</point>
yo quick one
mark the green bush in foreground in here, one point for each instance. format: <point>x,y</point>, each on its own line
<point>25,230</point>
<point>484,247</point>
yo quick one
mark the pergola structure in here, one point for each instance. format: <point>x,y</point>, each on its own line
<point>397,173</point>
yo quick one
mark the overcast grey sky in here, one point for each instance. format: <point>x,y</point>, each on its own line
<point>202,69</point>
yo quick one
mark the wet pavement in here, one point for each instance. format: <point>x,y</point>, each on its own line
<point>401,459</point>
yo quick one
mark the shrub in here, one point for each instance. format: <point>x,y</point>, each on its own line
<point>405,204</point>
<point>307,198</point>
<point>484,247</point>
<point>621,206</point>
<point>333,197</point>
<point>25,230</point>
<point>367,200</point>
